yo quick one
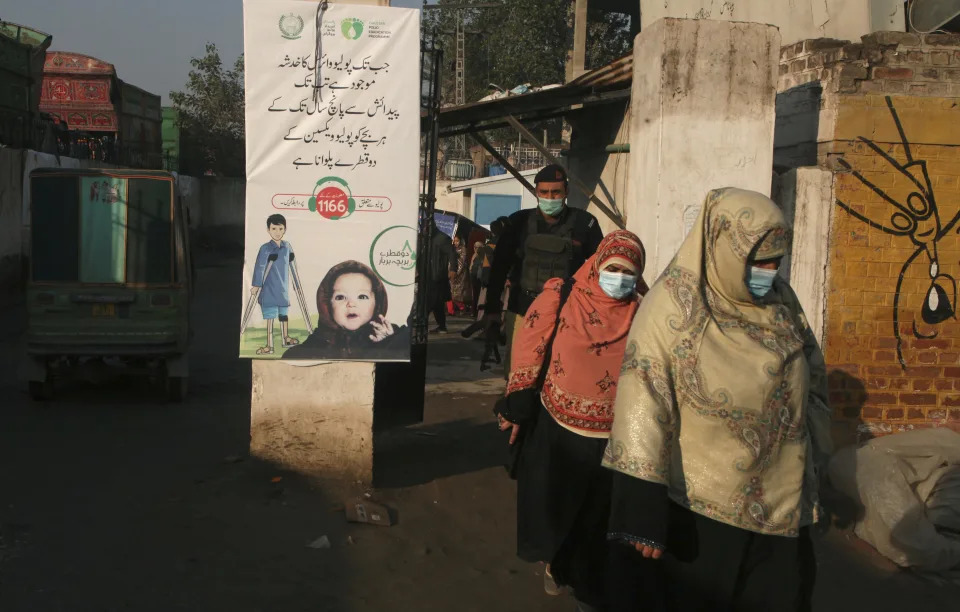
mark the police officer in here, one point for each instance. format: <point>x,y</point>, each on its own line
<point>551,241</point>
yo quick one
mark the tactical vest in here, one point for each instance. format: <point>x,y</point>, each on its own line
<point>546,256</point>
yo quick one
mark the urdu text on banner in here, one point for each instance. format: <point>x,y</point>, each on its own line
<point>332,144</point>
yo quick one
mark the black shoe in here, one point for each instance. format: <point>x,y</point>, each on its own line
<point>440,330</point>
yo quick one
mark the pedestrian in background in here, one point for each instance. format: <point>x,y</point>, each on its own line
<point>460,283</point>
<point>442,261</point>
<point>476,266</point>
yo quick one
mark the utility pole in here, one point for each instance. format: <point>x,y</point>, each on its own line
<point>460,76</point>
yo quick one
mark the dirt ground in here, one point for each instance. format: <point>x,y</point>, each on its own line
<point>111,499</point>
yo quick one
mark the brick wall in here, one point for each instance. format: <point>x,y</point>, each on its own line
<point>884,115</point>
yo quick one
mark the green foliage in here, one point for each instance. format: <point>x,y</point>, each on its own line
<point>211,114</point>
<point>524,41</point>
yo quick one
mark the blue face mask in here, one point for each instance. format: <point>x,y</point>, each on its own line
<point>760,281</point>
<point>551,208</point>
<point>617,284</point>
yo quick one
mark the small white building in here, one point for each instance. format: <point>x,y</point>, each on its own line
<point>485,199</point>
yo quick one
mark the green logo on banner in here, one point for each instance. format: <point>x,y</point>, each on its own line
<point>352,28</point>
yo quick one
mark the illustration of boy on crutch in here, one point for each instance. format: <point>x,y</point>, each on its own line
<point>273,271</point>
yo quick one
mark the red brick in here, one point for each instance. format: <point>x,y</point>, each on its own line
<point>922,384</point>
<point>881,383</point>
<point>951,372</point>
<point>879,399</point>
<point>918,399</point>
<point>870,412</point>
<point>924,372</point>
<point>903,74</point>
<point>883,343</point>
<point>937,415</point>
<point>955,414</point>
<point>949,358</point>
<point>943,384</point>
<point>927,357</point>
<point>899,384</point>
<point>894,413</point>
<point>934,344</point>
<point>940,58</point>
<point>883,356</point>
<point>914,414</point>
<point>885,370</point>
<point>950,400</point>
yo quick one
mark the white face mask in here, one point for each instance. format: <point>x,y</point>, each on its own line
<point>617,284</point>
<point>760,281</point>
<point>550,207</point>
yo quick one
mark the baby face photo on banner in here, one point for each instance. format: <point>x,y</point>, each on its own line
<point>332,143</point>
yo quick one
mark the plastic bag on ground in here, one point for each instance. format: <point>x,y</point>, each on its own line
<point>908,488</point>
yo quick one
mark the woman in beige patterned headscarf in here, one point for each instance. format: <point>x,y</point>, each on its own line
<point>721,421</point>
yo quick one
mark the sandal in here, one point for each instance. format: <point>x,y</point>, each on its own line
<point>550,586</point>
<point>288,342</point>
<point>265,350</point>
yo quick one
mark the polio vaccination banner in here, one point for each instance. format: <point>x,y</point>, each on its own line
<point>333,148</point>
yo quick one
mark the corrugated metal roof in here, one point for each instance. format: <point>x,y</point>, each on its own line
<point>614,75</point>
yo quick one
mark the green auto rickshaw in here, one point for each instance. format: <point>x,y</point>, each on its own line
<point>110,276</point>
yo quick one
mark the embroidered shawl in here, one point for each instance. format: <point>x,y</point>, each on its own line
<point>722,397</point>
<point>580,385</point>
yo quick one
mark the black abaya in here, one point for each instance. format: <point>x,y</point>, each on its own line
<point>563,501</point>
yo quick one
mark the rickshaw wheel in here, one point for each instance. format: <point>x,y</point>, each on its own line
<point>41,391</point>
<point>176,388</point>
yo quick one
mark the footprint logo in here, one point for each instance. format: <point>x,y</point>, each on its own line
<point>352,28</point>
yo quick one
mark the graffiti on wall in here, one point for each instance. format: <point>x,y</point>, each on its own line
<point>911,211</point>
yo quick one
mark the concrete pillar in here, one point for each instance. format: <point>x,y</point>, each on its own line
<point>806,197</point>
<point>315,419</point>
<point>702,117</point>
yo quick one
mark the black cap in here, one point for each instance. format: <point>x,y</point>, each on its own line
<point>551,174</point>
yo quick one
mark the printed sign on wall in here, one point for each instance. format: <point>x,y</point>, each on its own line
<point>332,140</point>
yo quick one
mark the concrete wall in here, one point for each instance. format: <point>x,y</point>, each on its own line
<point>453,201</point>
<point>797,19</point>
<point>806,196</point>
<point>702,117</point>
<point>314,419</point>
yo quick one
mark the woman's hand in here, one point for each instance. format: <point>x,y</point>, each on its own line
<point>381,330</point>
<point>648,552</point>
<point>505,425</point>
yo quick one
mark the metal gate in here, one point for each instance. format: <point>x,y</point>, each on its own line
<point>399,388</point>
<point>431,59</point>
